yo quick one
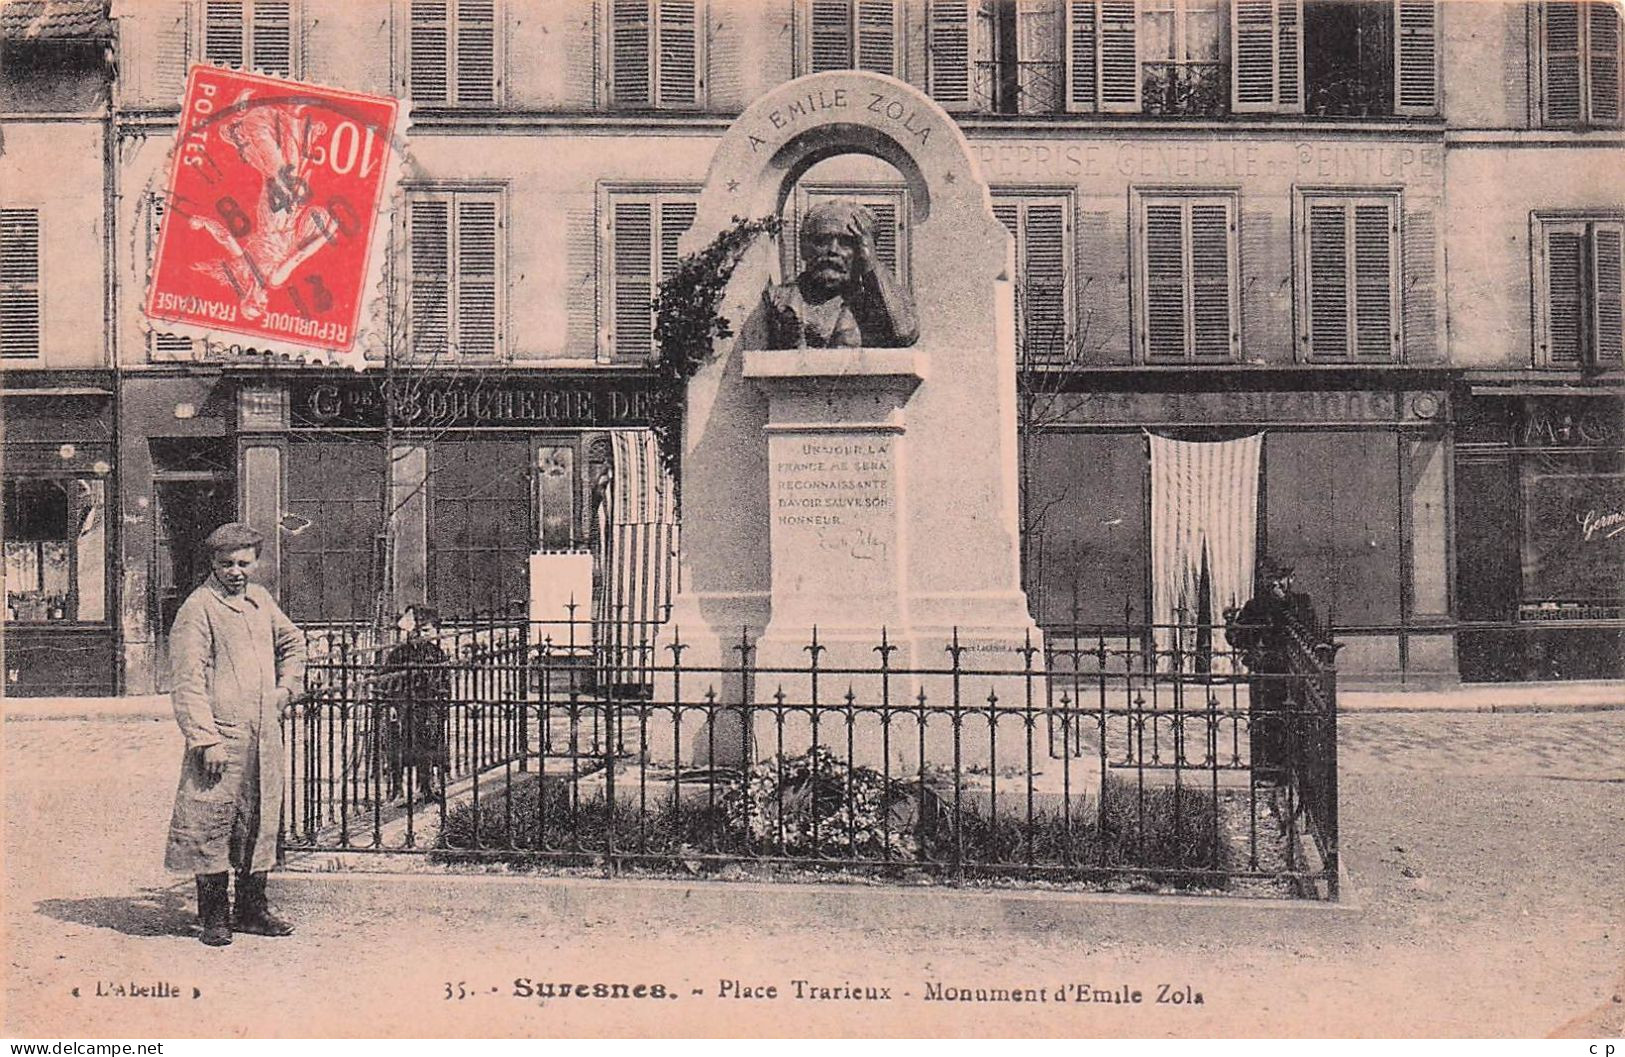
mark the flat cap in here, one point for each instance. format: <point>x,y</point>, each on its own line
<point>234,536</point>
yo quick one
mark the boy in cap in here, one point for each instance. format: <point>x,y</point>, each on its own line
<point>236,660</point>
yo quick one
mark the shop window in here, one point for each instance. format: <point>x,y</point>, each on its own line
<point>1577,273</point>
<point>1186,305</point>
<point>1348,268</point>
<point>456,240</point>
<point>329,566</point>
<point>452,53</point>
<point>656,53</point>
<point>479,526</point>
<point>55,549</point>
<point>19,283</point>
<point>1042,228</point>
<point>644,227</point>
<point>849,35</point>
<point>260,35</point>
<point>1580,60</point>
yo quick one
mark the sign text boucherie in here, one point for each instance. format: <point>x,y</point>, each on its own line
<point>474,402</point>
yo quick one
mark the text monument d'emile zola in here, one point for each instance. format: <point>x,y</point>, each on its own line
<point>850,453</point>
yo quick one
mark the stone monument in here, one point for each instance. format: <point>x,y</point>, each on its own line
<point>850,458</point>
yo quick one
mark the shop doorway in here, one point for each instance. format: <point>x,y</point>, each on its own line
<point>189,503</point>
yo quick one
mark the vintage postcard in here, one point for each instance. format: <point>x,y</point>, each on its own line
<point>812,518</point>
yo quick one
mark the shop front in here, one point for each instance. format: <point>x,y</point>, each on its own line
<point>59,457</point>
<point>1150,499</point>
<point>478,494</point>
<point>1540,534</point>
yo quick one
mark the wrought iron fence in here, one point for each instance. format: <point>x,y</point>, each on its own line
<point>1094,756</point>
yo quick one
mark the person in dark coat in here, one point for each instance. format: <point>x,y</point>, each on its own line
<point>1261,632</point>
<point>237,660</point>
<point>419,682</point>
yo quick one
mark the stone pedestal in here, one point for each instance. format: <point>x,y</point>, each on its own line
<point>867,494</point>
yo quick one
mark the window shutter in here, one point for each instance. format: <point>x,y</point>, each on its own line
<point>1212,304</point>
<point>1602,17</point>
<point>1119,56</point>
<point>629,52</point>
<point>172,50</point>
<point>223,33</point>
<point>1009,214</point>
<point>1562,62</point>
<point>632,245</point>
<point>1607,245</point>
<point>476,52</point>
<point>1043,281</point>
<point>948,69</point>
<point>272,37</point>
<point>1416,65</point>
<point>1289,55</point>
<point>829,41</point>
<point>1082,56</point>
<point>1375,324</point>
<point>430,241</point>
<point>679,81</point>
<point>676,217</point>
<point>1266,42</point>
<point>1565,311</point>
<point>430,46</point>
<point>1165,277</point>
<point>164,346</point>
<point>885,212</point>
<point>1328,281</point>
<point>19,283</point>
<point>476,276</point>
<point>877,36</point>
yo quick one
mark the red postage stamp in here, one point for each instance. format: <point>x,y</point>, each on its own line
<point>272,211</point>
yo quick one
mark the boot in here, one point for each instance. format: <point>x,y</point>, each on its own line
<point>214,909</point>
<point>253,913</point>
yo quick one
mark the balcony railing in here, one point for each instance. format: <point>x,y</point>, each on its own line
<point>1185,89</point>
<point>1019,88</point>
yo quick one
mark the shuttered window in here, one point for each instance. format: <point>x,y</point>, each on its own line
<point>251,34</point>
<point>453,49</point>
<point>455,251</point>
<point>1266,45</point>
<point>1187,291</point>
<point>997,56</point>
<point>1042,228</point>
<point>644,229</point>
<point>19,283</point>
<point>1349,264</point>
<point>849,35</point>
<point>656,53</point>
<point>1577,279</point>
<point>1102,56</point>
<point>1581,61</point>
<point>162,346</point>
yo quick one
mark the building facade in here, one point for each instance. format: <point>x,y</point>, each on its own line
<point>59,444</point>
<point>1320,223</point>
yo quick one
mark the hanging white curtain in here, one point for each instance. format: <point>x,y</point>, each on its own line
<point>1204,537</point>
<point>637,548</point>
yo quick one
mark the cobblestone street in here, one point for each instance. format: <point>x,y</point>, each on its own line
<point>1483,852</point>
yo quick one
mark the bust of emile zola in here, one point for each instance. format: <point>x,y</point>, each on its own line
<point>844,297</point>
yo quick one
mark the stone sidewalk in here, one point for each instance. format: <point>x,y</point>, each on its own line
<point>1482,851</point>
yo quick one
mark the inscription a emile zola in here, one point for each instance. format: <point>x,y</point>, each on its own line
<point>841,489</point>
<point>824,103</point>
